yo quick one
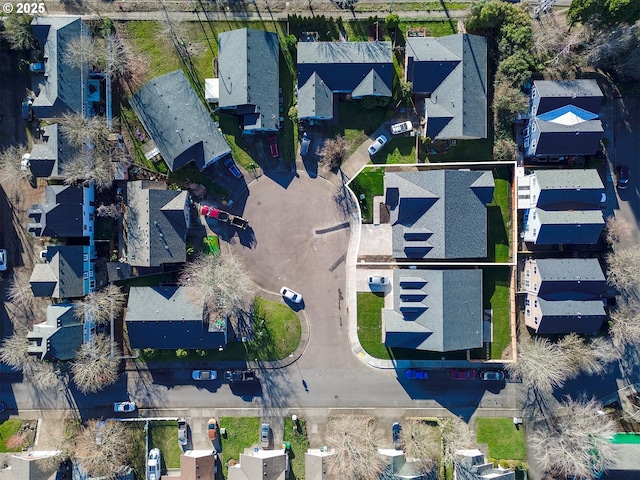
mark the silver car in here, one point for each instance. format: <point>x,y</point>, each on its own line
<point>290,295</point>
<point>3,260</point>
<point>265,432</point>
<point>377,144</point>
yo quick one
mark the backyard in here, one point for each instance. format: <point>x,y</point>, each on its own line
<point>504,440</point>
<point>370,183</point>
<point>241,433</point>
<point>296,434</point>
<point>498,218</point>
<point>495,294</point>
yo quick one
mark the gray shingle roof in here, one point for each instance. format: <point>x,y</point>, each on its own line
<point>48,157</point>
<point>569,189</point>
<point>439,214</point>
<point>315,99</point>
<point>452,70</point>
<point>63,274</point>
<point>372,84</point>
<point>178,122</point>
<point>62,214</point>
<point>436,310</point>
<point>582,93</point>
<point>565,316</point>
<point>60,336</point>
<point>579,227</point>
<point>155,222</point>
<point>570,278</point>
<point>248,72</point>
<point>170,318</point>
<point>579,139</point>
<point>61,84</point>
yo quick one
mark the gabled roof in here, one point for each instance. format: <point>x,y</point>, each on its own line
<point>48,157</point>
<point>570,278</point>
<point>562,316</point>
<point>439,214</point>
<point>178,122</point>
<point>61,84</point>
<point>32,465</point>
<point>170,318</point>
<point>315,99</point>
<point>569,189</point>
<point>248,72</point>
<point>578,139</point>
<point>372,84</point>
<point>62,214</point>
<point>579,227</point>
<point>63,274</point>
<point>581,93</point>
<point>59,337</point>
<point>156,224</point>
<point>452,72</point>
<point>436,310</point>
<point>261,464</point>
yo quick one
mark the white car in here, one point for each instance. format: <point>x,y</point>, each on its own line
<point>290,295</point>
<point>378,280</point>
<point>154,464</point>
<point>3,260</point>
<point>403,127</point>
<point>204,374</point>
<point>124,407</point>
<point>377,144</point>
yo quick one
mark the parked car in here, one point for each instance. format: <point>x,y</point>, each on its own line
<point>36,67</point>
<point>204,374</point>
<point>396,429</point>
<point>377,144</point>
<point>378,280</point>
<point>27,111</point>
<point>463,374</point>
<point>124,407</point>
<point>305,144</point>
<point>154,464</point>
<point>212,429</point>
<point>495,375</point>
<point>416,374</point>
<point>3,260</point>
<point>274,148</point>
<point>403,127</point>
<point>233,168</point>
<point>183,433</point>
<point>290,295</point>
<point>265,432</point>
<point>25,163</point>
<point>622,177</point>
<point>233,376</point>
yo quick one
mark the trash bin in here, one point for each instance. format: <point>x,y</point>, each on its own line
<point>286,445</point>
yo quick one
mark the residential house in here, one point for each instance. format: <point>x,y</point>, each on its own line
<point>326,69</point>
<point>155,224</point>
<point>471,465</point>
<point>197,465</point>
<point>260,464</point>
<point>172,318</point>
<point>249,77</point>
<point>400,467</point>
<point>439,214</point>
<point>625,464</point>
<point>564,120</point>
<point>48,157</point>
<point>315,463</point>
<point>121,473</point>
<point>59,337</point>
<point>179,124</point>
<point>561,206</point>
<point>563,295</point>
<point>32,465</point>
<point>69,272</point>
<point>67,212</point>
<point>436,310</point>
<point>61,85</point>
<point>449,77</point>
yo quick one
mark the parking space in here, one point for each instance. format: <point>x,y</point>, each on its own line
<point>375,240</point>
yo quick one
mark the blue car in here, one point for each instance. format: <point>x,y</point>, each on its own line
<point>231,165</point>
<point>416,374</point>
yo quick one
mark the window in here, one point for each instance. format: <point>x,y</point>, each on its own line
<point>527,273</point>
<point>526,302</point>
<point>528,313</point>
<point>535,303</point>
<point>535,270</point>
<point>85,275</point>
<point>85,257</point>
<point>534,127</point>
<point>534,144</point>
<point>90,273</point>
<point>526,283</point>
<point>526,142</point>
<point>535,319</point>
<point>535,287</point>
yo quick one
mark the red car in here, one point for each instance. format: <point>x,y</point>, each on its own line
<point>274,148</point>
<point>209,211</point>
<point>463,374</point>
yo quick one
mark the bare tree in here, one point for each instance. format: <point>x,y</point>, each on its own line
<point>623,271</point>
<point>333,152</point>
<point>12,176</point>
<point>46,375</point>
<point>354,440</point>
<point>80,51</point>
<point>423,442</point>
<point>17,31</point>
<point>625,323</point>
<point>222,281</point>
<point>90,133</point>
<point>542,365</point>
<point>94,368</point>
<point>591,356</point>
<point>618,230</point>
<point>85,169</point>
<point>101,305</point>
<point>102,447</point>
<point>14,351</point>
<point>19,292</point>
<point>456,435</point>
<point>615,50</point>
<point>574,441</point>
<point>113,210</point>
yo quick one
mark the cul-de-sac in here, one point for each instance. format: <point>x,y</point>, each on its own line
<point>320,239</point>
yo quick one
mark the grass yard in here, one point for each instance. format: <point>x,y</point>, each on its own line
<point>299,445</point>
<point>495,291</point>
<point>356,124</point>
<point>467,151</point>
<point>370,183</point>
<point>398,150</point>
<point>164,435</point>
<point>498,217</point>
<point>150,40</point>
<point>504,440</point>
<point>9,440</point>
<point>242,432</point>
<point>138,455</point>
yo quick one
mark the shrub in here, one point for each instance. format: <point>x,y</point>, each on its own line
<point>182,353</point>
<point>151,352</point>
<point>201,353</point>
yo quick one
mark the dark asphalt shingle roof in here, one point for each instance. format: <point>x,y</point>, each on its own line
<point>170,318</point>
<point>63,274</point>
<point>62,214</point>
<point>249,75</point>
<point>316,99</point>
<point>564,316</point>
<point>579,227</point>
<point>436,310</point>
<point>62,84</point>
<point>155,223</point>
<point>583,93</point>
<point>60,335</point>
<point>569,189</point>
<point>177,121</point>
<point>570,278</point>
<point>579,139</point>
<point>48,157</point>
<point>452,71</point>
<point>439,214</point>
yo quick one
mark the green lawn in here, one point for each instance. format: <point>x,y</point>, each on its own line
<point>8,428</point>
<point>242,432</point>
<point>467,151</point>
<point>164,435</point>
<point>495,291</point>
<point>299,445</point>
<point>149,40</point>
<point>370,183</point>
<point>504,440</point>
<point>356,124</point>
<point>398,150</point>
<point>498,216</point>
<point>138,454</point>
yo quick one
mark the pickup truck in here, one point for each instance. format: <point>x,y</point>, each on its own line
<point>399,128</point>
<point>232,376</point>
<point>224,217</point>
